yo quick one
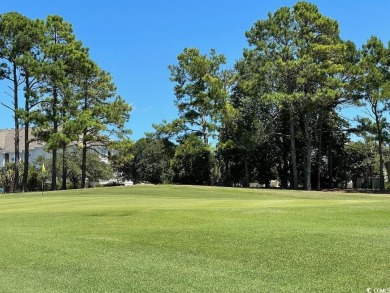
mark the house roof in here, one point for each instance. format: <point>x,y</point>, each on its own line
<point>7,140</point>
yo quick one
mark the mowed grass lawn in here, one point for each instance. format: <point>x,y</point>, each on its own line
<point>194,239</point>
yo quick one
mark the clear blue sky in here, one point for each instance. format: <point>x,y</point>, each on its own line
<point>136,40</point>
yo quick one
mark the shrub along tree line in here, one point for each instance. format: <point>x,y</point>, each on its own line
<point>276,114</point>
<point>68,98</point>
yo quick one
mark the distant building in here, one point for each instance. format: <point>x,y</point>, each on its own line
<point>36,149</point>
<point>7,147</point>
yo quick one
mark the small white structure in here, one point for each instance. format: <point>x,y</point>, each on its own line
<point>116,181</point>
<point>128,183</point>
<point>274,183</point>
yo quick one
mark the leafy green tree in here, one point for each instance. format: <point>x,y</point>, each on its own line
<point>61,52</point>
<point>250,122</point>
<point>76,63</point>
<point>243,129</point>
<point>274,50</point>
<point>358,161</point>
<point>191,163</point>
<point>47,56</point>
<point>322,61</point>
<point>34,182</point>
<point>18,36</point>
<point>96,168</point>
<point>331,137</point>
<point>7,177</point>
<point>30,64</point>
<point>200,90</point>
<point>101,114</point>
<point>373,87</point>
<point>301,56</point>
<point>149,161</point>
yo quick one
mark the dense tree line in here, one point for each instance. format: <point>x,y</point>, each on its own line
<point>68,99</point>
<point>276,114</point>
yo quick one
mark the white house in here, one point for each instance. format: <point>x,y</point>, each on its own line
<point>36,149</point>
<point>7,147</point>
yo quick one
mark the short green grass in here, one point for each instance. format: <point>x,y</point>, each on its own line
<point>194,239</point>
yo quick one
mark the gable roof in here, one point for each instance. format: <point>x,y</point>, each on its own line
<point>7,140</point>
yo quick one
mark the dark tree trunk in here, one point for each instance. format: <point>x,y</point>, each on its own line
<point>55,130</point>
<point>64,167</point>
<point>307,169</point>
<point>84,165</point>
<point>246,171</point>
<point>26,135</point>
<point>26,157</point>
<point>330,167</point>
<point>226,172</point>
<point>294,168</point>
<point>380,150</point>
<point>283,166</point>
<point>16,120</point>
<point>204,130</point>
<point>285,170</point>
<point>84,152</point>
<point>319,162</point>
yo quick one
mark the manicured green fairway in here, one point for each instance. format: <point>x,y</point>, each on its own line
<point>194,239</point>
